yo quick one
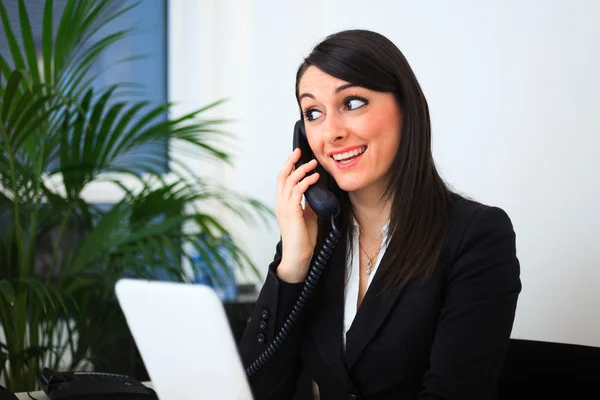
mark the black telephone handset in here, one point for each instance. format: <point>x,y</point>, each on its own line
<point>323,202</point>
<point>92,386</point>
<point>325,205</point>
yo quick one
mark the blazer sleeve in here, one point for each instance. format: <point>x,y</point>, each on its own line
<point>276,379</point>
<point>478,310</point>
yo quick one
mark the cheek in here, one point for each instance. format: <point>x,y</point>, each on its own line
<point>383,127</point>
<point>315,143</point>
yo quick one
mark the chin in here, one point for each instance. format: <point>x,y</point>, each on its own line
<point>348,181</point>
<point>349,185</point>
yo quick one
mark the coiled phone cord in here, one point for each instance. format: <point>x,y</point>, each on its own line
<point>309,285</point>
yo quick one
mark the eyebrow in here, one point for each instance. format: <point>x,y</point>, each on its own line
<point>337,90</point>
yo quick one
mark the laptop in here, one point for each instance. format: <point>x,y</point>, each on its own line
<point>184,339</point>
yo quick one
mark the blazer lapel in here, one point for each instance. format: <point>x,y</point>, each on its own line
<point>373,311</point>
<point>327,315</point>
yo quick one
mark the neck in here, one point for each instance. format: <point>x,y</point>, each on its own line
<point>370,211</point>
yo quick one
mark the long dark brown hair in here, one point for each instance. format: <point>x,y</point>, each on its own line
<point>421,202</point>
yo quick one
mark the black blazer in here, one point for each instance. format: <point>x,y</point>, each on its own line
<point>445,338</point>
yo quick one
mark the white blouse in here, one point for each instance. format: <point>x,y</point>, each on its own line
<point>353,274</point>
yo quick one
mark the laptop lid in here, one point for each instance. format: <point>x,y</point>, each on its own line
<point>184,338</point>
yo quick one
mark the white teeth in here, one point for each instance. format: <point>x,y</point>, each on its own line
<point>348,154</point>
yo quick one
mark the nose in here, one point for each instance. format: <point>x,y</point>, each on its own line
<point>334,129</point>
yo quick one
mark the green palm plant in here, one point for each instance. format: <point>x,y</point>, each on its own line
<point>61,255</point>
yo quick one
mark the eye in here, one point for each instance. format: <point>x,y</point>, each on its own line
<point>355,102</point>
<point>311,114</point>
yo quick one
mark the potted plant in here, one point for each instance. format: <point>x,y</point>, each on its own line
<point>61,255</point>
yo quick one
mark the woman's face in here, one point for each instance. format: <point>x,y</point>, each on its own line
<point>354,132</point>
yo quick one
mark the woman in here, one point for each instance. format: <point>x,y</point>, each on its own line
<point>418,298</point>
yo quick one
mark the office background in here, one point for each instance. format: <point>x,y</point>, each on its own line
<point>513,93</point>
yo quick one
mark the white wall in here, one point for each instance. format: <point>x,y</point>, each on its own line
<point>513,88</point>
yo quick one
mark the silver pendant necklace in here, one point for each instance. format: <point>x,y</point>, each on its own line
<point>369,267</point>
<point>370,263</point>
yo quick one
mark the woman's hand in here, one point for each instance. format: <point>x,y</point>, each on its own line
<point>298,226</point>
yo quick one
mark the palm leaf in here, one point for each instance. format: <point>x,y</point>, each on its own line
<point>7,291</point>
<point>22,111</point>
<point>47,50</point>
<point>95,244</point>
<point>13,45</point>
<point>28,43</point>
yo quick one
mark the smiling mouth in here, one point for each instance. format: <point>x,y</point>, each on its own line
<point>349,155</point>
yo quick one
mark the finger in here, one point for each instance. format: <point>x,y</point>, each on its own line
<point>302,186</point>
<point>296,177</point>
<point>286,170</point>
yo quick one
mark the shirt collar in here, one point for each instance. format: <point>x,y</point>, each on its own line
<point>384,229</point>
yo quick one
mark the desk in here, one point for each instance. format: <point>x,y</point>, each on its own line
<point>39,395</point>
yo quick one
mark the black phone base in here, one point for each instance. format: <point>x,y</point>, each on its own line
<point>309,286</point>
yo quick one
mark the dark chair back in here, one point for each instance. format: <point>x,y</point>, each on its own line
<point>543,370</point>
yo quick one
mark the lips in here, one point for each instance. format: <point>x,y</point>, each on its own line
<point>345,155</point>
<point>349,162</point>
